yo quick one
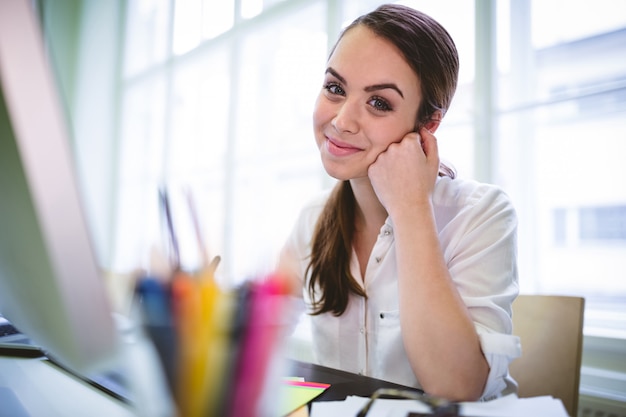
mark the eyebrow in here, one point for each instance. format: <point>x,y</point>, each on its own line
<point>370,88</point>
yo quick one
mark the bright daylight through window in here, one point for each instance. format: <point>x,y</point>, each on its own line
<point>218,98</point>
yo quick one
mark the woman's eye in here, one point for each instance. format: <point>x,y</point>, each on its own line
<point>334,88</point>
<point>380,104</point>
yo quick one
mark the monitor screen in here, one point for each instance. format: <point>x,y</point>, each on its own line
<point>51,286</point>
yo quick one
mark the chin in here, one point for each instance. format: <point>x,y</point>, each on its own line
<point>341,170</point>
<point>336,176</point>
<point>335,173</point>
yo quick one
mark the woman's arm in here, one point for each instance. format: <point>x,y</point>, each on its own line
<point>439,335</point>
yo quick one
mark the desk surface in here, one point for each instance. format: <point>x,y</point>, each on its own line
<point>39,389</point>
<point>342,383</point>
<point>32,387</point>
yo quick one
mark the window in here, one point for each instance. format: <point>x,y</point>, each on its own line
<point>218,99</point>
<point>224,117</point>
<point>560,139</point>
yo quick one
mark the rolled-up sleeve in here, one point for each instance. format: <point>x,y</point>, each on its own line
<point>478,233</point>
<point>499,350</point>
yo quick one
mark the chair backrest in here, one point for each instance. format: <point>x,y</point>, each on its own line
<point>550,331</point>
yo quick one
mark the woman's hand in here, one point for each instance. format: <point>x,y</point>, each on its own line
<point>404,175</point>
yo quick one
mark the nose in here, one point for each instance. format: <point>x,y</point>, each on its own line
<point>347,118</point>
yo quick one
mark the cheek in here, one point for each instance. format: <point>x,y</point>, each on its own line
<point>383,134</point>
<point>392,129</point>
<point>322,112</point>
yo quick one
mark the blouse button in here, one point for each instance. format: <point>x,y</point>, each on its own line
<point>382,315</point>
<point>378,259</point>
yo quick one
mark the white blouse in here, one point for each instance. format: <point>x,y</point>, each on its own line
<point>477,230</point>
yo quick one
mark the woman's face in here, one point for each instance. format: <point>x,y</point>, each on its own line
<point>369,100</point>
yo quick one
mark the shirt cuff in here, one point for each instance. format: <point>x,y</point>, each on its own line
<point>499,350</point>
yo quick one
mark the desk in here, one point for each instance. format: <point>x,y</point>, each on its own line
<point>342,383</point>
<point>41,389</point>
<point>35,388</point>
<point>345,384</point>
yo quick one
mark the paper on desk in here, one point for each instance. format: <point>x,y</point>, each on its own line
<point>508,406</point>
<point>296,392</point>
<point>351,405</point>
<point>512,406</point>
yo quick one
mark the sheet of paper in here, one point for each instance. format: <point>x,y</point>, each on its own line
<point>508,406</point>
<point>512,406</point>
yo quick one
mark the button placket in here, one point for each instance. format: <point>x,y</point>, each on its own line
<point>363,336</point>
<point>385,234</point>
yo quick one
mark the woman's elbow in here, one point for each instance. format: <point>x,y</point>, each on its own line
<point>460,387</point>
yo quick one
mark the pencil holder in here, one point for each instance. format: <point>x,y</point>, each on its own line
<point>218,349</point>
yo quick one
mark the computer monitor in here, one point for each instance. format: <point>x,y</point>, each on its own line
<point>51,285</point>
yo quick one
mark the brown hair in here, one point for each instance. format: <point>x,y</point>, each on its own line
<point>428,48</point>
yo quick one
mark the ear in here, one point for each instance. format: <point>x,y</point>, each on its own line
<point>433,123</point>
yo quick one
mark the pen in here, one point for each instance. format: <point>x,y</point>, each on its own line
<point>154,301</point>
<point>258,345</point>
<point>237,330</point>
<point>196,227</point>
<point>186,308</point>
<point>202,319</point>
<point>167,213</point>
<point>158,322</point>
<point>215,321</point>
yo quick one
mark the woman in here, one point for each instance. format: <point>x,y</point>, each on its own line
<point>408,273</point>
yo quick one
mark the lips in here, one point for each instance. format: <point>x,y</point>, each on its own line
<point>338,148</point>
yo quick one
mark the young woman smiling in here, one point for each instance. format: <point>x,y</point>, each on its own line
<point>408,272</point>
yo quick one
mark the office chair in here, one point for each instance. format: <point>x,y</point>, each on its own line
<point>550,331</point>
